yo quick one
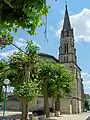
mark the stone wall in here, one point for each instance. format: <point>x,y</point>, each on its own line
<point>16,104</point>
<point>65,106</point>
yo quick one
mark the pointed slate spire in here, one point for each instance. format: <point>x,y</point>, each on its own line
<point>66,24</point>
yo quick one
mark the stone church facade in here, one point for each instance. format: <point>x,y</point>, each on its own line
<point>67,56</point>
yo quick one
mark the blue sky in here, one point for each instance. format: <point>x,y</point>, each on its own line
<point>80,20</point>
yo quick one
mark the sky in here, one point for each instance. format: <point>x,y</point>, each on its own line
<point>79,12</point>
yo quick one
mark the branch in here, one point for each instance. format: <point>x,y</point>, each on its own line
<point>19,48</point>
<point>8,3</point>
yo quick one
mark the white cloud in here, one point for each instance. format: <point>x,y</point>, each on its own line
<point>37,44</point>
<point>58,32</point>
<point>21,39</point>
<point>81,25</point>
<point>86,81</point>
<point>20,42</point>
<point>7,53</point>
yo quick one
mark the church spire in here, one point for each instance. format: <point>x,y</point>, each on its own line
<point>67,31</point>
<point>66,24</point>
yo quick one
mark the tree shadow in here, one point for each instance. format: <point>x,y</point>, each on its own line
<point>88,118</point>
<point>11,117</point>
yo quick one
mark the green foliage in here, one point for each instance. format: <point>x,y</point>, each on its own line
<point>21,70</point>
<point>55,81</point>
<point>5,35</point>
<point>25,14</point>
<point>46,72</point>
<point>28,91</point>
<point>27,72</point>
<point>45,75</point>
<point>1,94</point>
<point>46,69</point>
<point>86,104</point>
<point>5,38</point>
<point>31,48</point>
<point>17,62</point>
<point>59,78</point>
<point>3,70</point>
<point>62,82</point>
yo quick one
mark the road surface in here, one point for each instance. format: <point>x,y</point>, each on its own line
<point>16,115</point>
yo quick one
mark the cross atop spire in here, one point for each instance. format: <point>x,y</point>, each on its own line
<point>66,24</point>
<point>66,2</point>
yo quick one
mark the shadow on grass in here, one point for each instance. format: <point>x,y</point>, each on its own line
<point>11,117</point>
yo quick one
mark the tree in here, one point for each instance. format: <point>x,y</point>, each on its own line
<point>23,75</point>
<point>56,82</point>
<point>46,73</point>
<point>86,104</point>
<point>62,84</point>
<point>25,14</point>
<point>3,69</point>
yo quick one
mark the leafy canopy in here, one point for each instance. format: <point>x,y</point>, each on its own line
<point>25,14</point>
<point>3,73</point>
<point>22,13</point>
<point>59,78</point>
<point>62,83</point>
<point>28,91</point>
<point>22,69</point>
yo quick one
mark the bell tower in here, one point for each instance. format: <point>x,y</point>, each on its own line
<point>67,56</point>
<point>67,51</point>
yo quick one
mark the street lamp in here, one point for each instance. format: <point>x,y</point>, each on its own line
<point>6,83</point>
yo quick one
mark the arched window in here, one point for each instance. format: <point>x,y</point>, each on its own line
<point>65,58</point>
<point>66,47</point>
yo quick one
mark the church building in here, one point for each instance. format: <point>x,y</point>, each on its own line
<point>67,56</point>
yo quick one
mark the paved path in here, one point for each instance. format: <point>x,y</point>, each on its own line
<point>10,115</point>
<point>84,116</point>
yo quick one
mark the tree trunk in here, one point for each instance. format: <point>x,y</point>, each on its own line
<point>57,107</point>
<point>53,104</point>
<point>57,104</point>
<point>46,104</point>
<point>25,102</point>
<point>1,94</point>
<point>24,110</point>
